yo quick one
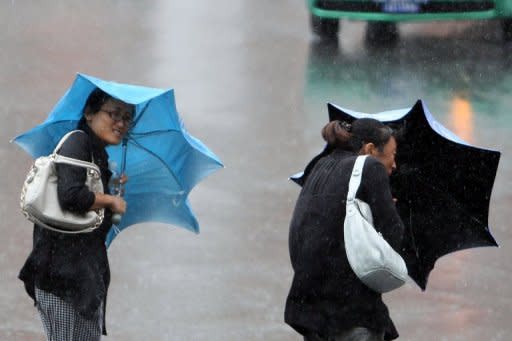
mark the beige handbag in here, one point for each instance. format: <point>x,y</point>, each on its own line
<point>39,201</point>
<point>370,256</point>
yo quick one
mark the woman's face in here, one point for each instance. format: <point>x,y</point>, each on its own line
<point>112,121</point>
<point>387,155</point>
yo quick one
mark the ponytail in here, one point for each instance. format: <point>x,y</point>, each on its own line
<point>337,134</point>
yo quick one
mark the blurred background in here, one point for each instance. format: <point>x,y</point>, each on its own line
<point>252,82</point>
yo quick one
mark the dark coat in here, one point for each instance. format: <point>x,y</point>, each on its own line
<point>326,297</point>
<point>73,267</point>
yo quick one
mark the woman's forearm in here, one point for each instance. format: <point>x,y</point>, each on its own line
<point>102,201</point>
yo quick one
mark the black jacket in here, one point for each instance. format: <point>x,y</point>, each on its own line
<point>73,267</point>
<point>326,297</point>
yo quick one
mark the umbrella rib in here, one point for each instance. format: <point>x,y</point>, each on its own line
<point>154,132</point>
<point>137,144</point>
<point>142,112</point>
<point>446,195</point>
<point>413,239</point>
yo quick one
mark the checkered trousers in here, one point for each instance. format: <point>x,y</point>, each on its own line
<point>62,322</point>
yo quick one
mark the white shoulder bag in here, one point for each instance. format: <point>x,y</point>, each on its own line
<point>372,259</point>
<point>39,201</point>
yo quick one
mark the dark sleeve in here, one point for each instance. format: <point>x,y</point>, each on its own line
<point>73,194</point>
<point>376,191</point>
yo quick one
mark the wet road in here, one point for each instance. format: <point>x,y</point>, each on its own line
<point>252,84</point>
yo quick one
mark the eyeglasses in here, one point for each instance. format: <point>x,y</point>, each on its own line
<point>118,116</point>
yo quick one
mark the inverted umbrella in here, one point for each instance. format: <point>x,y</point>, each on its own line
<point>163,161</point>
<point>443,186</point>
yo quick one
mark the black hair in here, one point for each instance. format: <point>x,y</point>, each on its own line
<point>339,134</point>
<point>95,101</point>
<point>93,104</point>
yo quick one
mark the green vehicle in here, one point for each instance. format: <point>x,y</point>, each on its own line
<point>382,15</point>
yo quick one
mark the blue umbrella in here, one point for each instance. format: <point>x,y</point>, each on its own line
<point>443,185</point>
<point>163,161</point>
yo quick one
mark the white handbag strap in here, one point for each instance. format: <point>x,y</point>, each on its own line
<point>70,161</point>
<point>355,179</point>
<point>64,138</point>
<point>75,162</point>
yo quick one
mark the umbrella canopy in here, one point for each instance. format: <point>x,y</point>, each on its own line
<point>162,160</point>
<point>443,186</point>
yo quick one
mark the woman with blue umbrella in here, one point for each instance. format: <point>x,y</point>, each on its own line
<point>164,161</point>
<point>68,275</point>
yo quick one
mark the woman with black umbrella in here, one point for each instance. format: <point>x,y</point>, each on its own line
<point>326,300</point>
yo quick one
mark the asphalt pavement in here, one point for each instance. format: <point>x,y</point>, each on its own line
<point>252,83</point>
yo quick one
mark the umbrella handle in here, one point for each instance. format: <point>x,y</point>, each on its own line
<point>116,218</point>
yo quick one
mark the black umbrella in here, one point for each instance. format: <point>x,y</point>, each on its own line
<point>443,186</point>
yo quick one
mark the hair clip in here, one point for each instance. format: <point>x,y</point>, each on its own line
<point>345,125</point>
